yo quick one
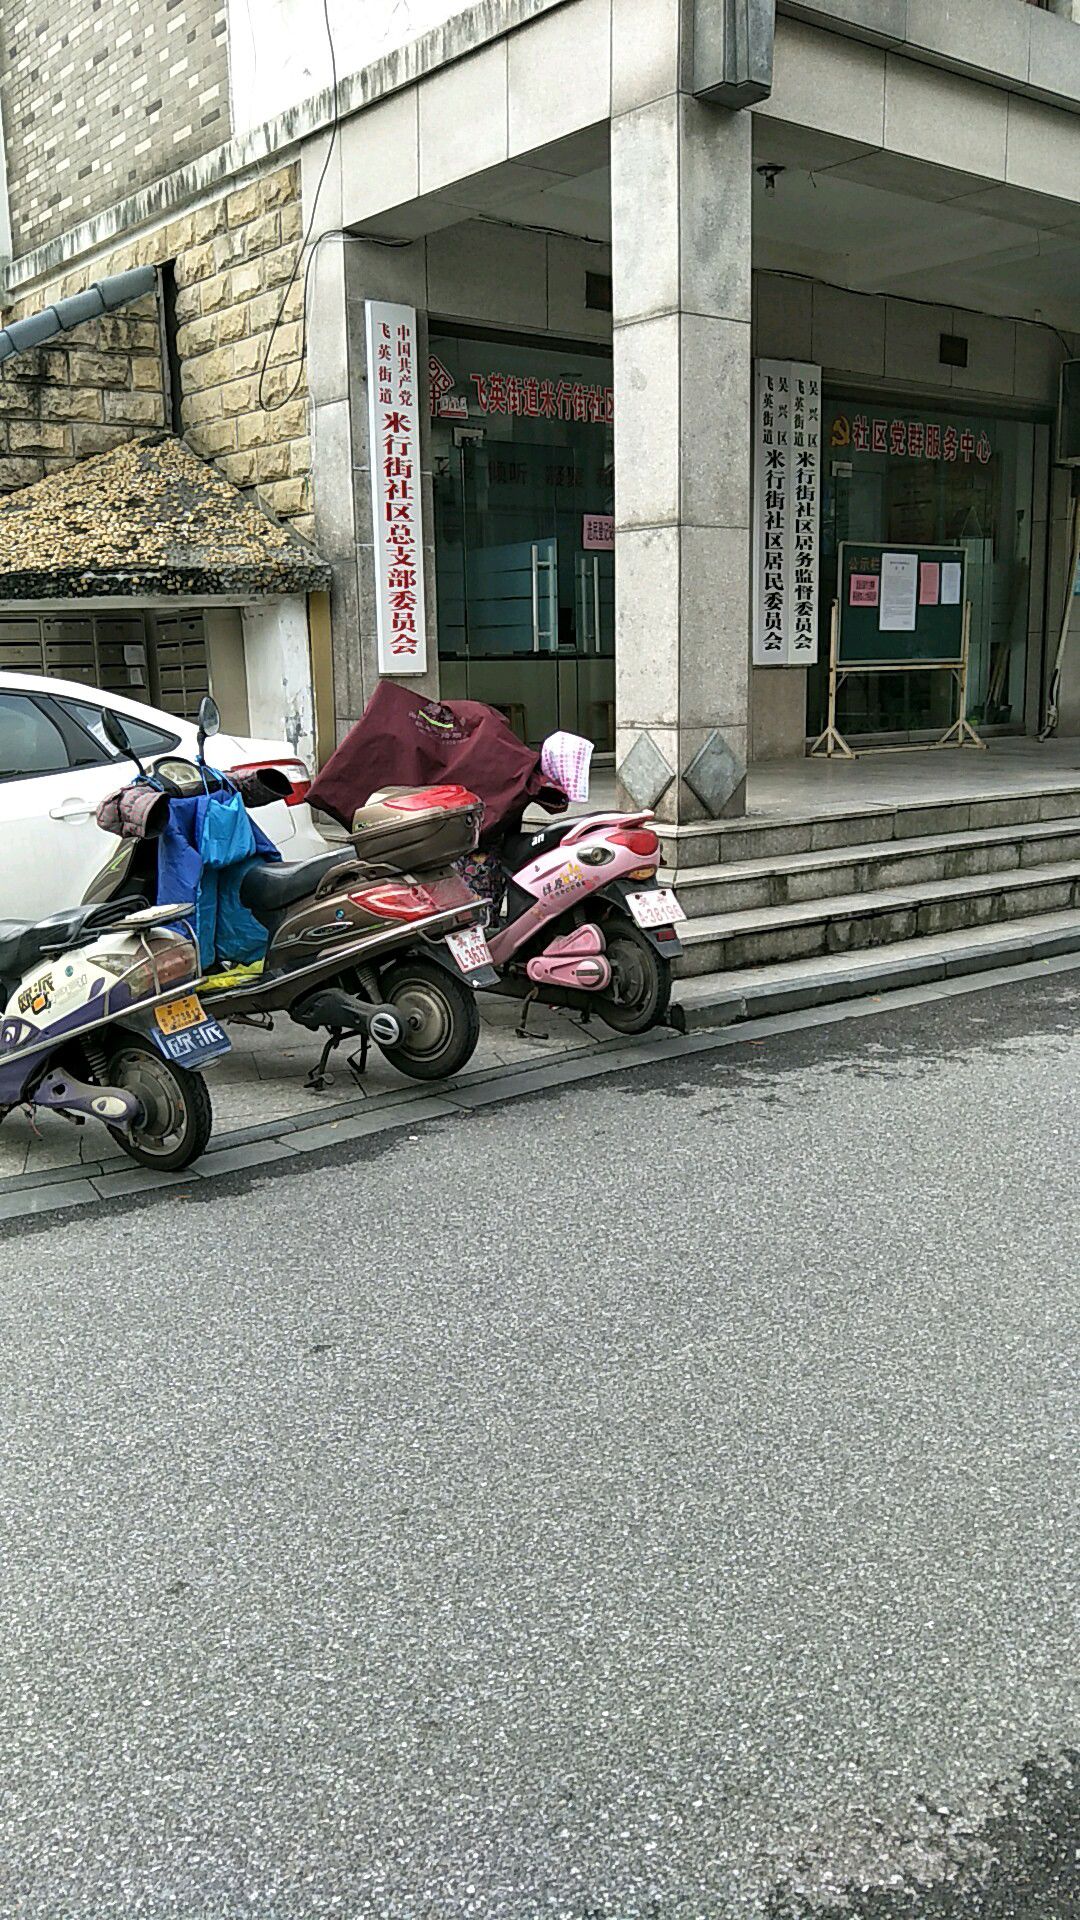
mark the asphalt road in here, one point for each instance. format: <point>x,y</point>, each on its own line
<point>649,1501</point>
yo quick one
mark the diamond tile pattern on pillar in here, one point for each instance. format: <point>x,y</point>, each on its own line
<point>714,773</point>
<point>645,773</point>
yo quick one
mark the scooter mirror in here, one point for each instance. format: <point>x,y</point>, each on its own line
<point>209,717</point>
<point>116,733</point>
<point>117,736</point>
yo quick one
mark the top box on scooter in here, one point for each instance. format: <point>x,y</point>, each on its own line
<point>418,827</point>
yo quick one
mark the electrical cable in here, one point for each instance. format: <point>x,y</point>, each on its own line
<point>305,245</point>
<point>912,300</point>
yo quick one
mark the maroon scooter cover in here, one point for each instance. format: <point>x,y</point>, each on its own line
<point>402,740</point>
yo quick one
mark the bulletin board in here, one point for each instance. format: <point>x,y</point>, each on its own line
<point>899,609</point>
<point>937,636</point>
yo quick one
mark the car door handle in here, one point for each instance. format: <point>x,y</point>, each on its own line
<point>71,810</point>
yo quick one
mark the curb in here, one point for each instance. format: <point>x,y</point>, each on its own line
<point>729,1021</point>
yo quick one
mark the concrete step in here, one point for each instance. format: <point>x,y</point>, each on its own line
<point>715,999</point>
<point>844,923</point>
<point>877,865</point>
<point>768,836</point>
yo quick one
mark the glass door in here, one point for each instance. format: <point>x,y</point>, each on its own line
<point>522,460</point>
<point>909,476</point>
<point>534,628</point>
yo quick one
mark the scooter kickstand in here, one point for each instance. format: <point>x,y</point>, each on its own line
<point>357,1062</point>
<point>318,1079</point>
<point>522,1025</point>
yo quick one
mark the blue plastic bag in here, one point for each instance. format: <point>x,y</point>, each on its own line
<point>194,864</point>
<point>225,832</point>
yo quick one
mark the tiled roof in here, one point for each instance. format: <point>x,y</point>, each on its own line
<point>148,518</point>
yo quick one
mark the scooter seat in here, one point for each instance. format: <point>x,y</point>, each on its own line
<point>271,888</point>
<point>24,941</point>
<point>518,848</point>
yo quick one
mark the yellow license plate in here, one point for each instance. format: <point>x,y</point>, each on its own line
<point>179,1014</point>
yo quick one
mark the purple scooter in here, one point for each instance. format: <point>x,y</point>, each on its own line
<point>100,1023</point>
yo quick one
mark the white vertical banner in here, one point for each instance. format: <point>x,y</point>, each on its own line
<point>396,495</point>
<point>787,471</point>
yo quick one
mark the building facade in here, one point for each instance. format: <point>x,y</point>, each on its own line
<point>610,224</point>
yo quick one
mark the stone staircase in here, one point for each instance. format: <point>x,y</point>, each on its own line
<point>789,912</point>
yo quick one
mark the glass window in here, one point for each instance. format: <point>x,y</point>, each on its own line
<point>29,741</point>
<point>925,477</point>
<point>144,738</point>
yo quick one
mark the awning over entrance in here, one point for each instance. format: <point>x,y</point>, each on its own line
<point>149,519</point>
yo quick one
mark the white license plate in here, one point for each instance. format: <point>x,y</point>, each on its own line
<point>657,908</point>
<point>470,948</point>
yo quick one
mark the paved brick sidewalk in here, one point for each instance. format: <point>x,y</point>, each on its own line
<point>262,1081</point>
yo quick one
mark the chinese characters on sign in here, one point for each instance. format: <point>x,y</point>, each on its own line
<point>864,589</point>
<point>522,396</point>
<point>787,460</point>
<point>909,439</point>
<point>598,532</point>
<point>395,488</point>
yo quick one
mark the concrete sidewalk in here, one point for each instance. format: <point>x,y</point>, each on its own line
<point>262,1082</point>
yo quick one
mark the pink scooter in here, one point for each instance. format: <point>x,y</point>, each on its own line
<point>584,923</point>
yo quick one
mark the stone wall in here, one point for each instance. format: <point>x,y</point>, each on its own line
<point>103,383</point>
<point>95,388</point>
<point>231,280</point>
<point>100,97</point>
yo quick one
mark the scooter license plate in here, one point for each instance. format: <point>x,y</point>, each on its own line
<point>470,949</point>
<point>194,1046</point>
<point>185,1034</point>
<point>176,1015</point>
<point>657,908</point>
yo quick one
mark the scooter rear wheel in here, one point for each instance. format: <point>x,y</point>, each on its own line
<point>641,980</point>
<point>439,1016</point>
<point>177,1115</point>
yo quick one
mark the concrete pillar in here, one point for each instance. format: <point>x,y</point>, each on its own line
<point>277,657</point>
<point>680,191</point>
<point>346,273</point>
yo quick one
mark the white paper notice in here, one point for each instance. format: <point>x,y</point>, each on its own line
<point>899,592</point>
<point>950,583</point>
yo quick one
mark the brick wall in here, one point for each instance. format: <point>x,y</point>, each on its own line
<point>103,383</point>
<point>100,97</point>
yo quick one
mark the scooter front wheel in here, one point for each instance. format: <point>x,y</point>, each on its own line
<point>439,1016</point>
<point>177,1117</point>
<point>640,980</point>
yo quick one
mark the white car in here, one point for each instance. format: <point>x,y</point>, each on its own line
<point>56,766</point>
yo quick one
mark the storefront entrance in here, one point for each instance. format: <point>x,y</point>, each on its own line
<point>522,458</point>
<point>909,475</point>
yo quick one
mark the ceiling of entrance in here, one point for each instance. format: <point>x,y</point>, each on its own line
<point>881,223</point>
<point>871,221</point>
